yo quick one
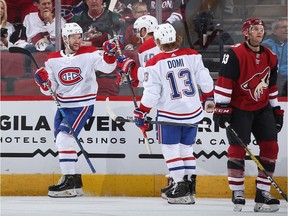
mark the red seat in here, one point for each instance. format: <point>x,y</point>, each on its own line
<point>12,64</point>
<point>26,87</point>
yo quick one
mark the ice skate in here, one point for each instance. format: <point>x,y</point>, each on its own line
<point>192,186</point>
<point>265,202</point>
<point>167,188</point>
<point>78,184</point>
<point>64,188</point>
<point>180,194</point>
<point>238,200</point>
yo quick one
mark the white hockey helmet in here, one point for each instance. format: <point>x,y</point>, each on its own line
<point>165,33</point>
<point>147,21</point>
<point>70,29</point>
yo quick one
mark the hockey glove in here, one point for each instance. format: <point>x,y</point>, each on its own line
<point>222,114</point>
<point>41,76</point>
<point>125,64</point>
<point>140,119</point>
<point>109,48</point>
<point>278,115</point>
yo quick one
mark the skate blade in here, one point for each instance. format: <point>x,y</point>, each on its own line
<point>79,192</point>
<point>163,195</point>
<point>62,194</point>
<point>181,200</point>
<point>260,207</point>
<point>238,207</point>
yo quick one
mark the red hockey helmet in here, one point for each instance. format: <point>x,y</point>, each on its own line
<point>251,22</point>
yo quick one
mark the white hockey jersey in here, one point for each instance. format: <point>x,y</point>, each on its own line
<point>73,77</point>
<point>146,51</point>
<point>171,83</point>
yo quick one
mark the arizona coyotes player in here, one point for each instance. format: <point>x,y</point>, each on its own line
<point>71,75</point>
<point>171,81</point>
<point>246,98</point>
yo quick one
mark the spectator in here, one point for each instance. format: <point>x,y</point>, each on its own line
<point>40,27</point>
<point>130,40</point>
<point>277,42</point>
<point>6,27</point>
<point>96,23</point>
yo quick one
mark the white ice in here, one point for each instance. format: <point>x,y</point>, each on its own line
<point>123,206</point>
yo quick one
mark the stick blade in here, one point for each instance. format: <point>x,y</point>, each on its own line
<point>16,49</point>
<point>109,110</point>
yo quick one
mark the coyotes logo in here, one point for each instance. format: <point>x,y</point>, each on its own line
<point>257,84</point>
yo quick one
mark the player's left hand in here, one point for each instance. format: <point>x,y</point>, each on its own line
<point>109,48</point>
<point>278,115</point>
<point>140,119</point>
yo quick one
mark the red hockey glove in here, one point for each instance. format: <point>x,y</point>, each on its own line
<point>140,119</point>
<point>278,115</point>
<point>222,114</point>
<point>41,76</point>
<point>109,48</point>
<point>125,64</point>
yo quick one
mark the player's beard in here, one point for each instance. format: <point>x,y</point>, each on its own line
<point>74,47</point>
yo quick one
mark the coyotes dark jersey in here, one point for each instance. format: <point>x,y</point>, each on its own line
<point>247,80</point>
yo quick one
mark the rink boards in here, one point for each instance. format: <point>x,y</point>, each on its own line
<point>29,162</point>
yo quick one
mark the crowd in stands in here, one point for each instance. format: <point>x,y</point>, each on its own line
<point>31,24</point>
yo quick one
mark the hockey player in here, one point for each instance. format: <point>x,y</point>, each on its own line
<point>246,98</point>
<point>144,28</point>
<point>171,80</point>
<point>71,75</point>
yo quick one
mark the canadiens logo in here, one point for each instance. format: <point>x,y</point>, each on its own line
<point>257,84</point>
<point>70,76</point>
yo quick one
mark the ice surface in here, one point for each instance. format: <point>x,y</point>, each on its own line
<point>123,206</point>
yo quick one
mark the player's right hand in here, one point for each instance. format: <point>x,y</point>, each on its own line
<point>222,114</point>
<point>125,64</point>
<point>41,76</point>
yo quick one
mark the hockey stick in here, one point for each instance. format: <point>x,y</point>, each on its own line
<point>29,54</point>
<point>111,9</point>
<point>183,13</point>
<point>113,116</point>
<point>252,156</point>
